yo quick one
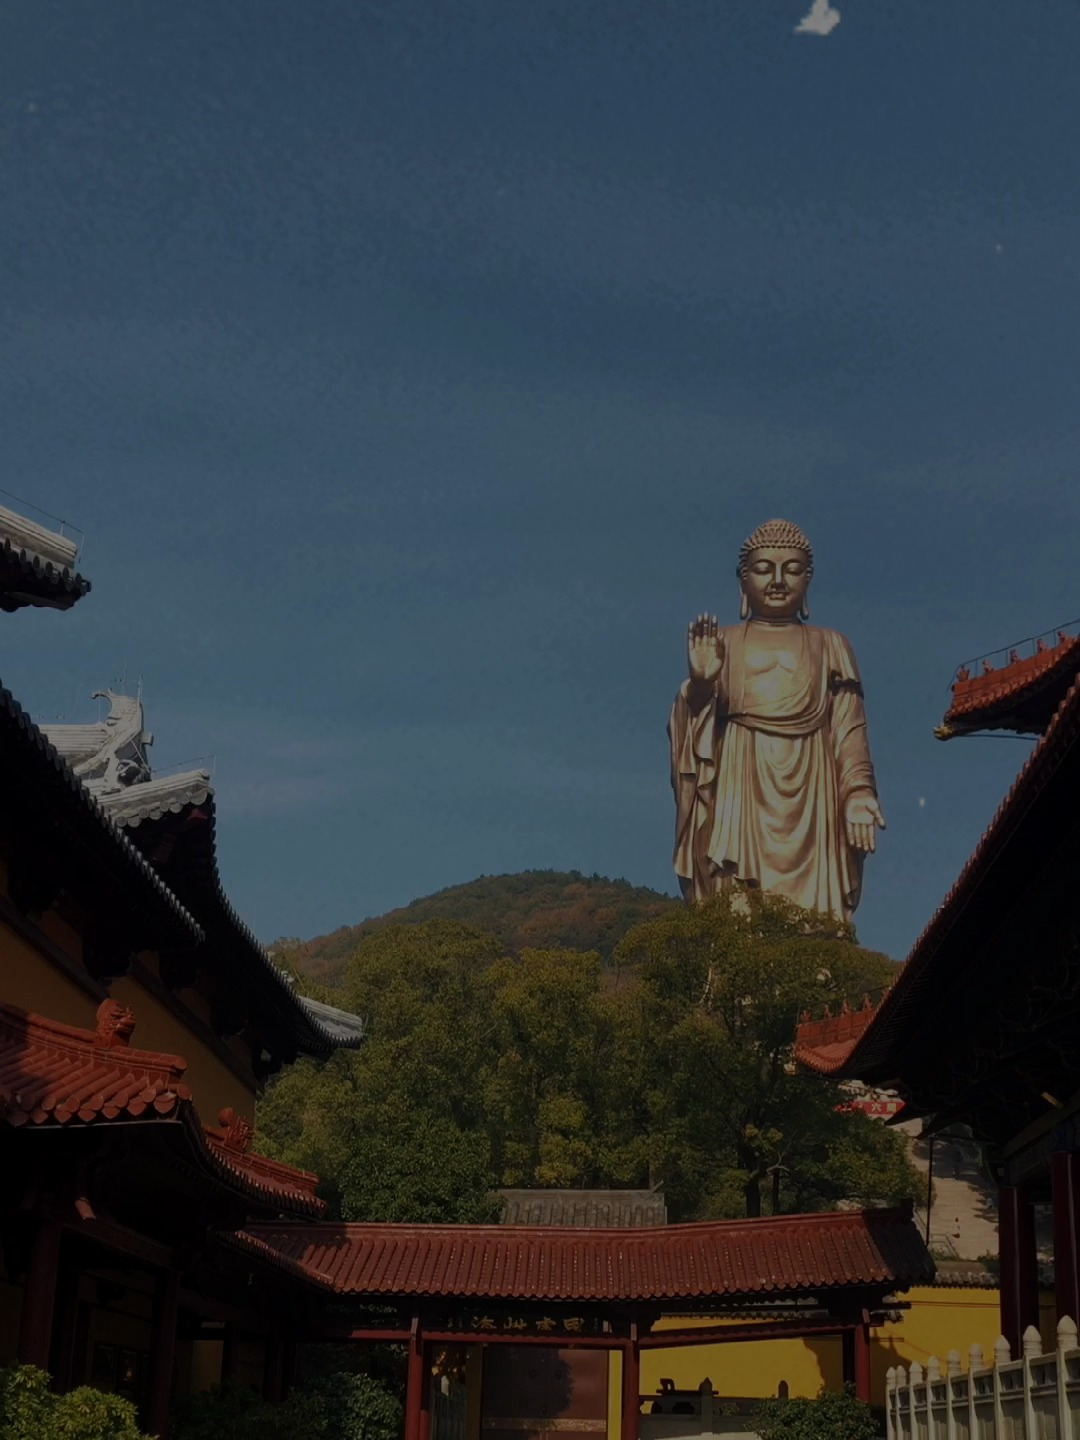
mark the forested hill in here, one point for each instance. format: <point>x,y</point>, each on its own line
<point>537,909</point>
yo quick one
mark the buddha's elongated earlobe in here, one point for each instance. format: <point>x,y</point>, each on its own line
<point>804,610</point>
<point>744,607</point>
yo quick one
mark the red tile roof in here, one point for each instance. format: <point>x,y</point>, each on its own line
<point>789,1254</point>
<point>229,1143</point>
<point>1012,692</point>
<point>53,1074</point>
<point>831,1038</point>
<point>869,1053</point>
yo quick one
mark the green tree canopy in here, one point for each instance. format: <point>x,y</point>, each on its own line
<point>720,988</point>
<point>548,1067</point>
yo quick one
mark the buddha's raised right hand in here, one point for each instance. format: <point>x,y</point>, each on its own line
<point>704,649</point>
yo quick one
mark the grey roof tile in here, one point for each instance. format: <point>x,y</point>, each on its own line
<point>603,1209</point>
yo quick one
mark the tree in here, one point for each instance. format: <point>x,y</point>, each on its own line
<point>396,1129</point>
<point>720,990</point>
<point>408,1166</point>
<point>548,1068</point>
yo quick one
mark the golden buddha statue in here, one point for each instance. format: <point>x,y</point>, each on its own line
<point>770,763</point>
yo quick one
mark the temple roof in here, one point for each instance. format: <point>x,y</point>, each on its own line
<point>109,754</point>
<point>347,1029</point>
<point>607,1209</point>
<point>1020,694</point>
<point>172,820</point>
<point>54,1075</point>
<point>153,799</point>
<point>991,970</point>
<point>39,782</point>
<point>37,565</point>
<point>790,1255</point>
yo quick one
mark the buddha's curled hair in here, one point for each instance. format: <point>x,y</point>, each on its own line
<point>779,534</point>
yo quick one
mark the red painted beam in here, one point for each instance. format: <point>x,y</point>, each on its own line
<point>558,1341</point>
<point>124,1242</point>
<point>729,1334</point>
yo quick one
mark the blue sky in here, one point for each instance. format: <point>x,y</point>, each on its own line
<point>414,371</point>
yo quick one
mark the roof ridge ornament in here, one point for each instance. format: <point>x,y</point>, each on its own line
<point>236,1132</point>
<point>115,1025</point>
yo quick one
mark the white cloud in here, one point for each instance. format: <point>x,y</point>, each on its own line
<point>821,19</point>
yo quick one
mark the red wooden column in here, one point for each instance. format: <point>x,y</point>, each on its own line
<point>855,1350</point>
<point>425,1393</point>
<point>163,1352</point>
<point>1019,1274</point>
<point>1065,1183</point>
<point>631,1386</point>
<point>414,1384</point>
<point>66,1328</point>
<point>39,1296</point>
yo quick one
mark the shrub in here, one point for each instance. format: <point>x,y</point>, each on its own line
<point>834,1415</point>
<point>333,1407</point>
<point>29,1410</point>
<point>234,1411</point>
<point>351,1407</point>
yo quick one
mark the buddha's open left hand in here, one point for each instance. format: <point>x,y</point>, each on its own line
<point>862,816</point>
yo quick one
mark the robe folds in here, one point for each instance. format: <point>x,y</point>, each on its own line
<point>761,779</point>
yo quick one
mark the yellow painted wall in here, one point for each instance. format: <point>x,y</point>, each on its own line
<point>213,1084</point>
<point>614,1396</point>
<point>31,981</point>
<point>205,1365</point>
<point>940,1319</point>
<point>747,1368</point>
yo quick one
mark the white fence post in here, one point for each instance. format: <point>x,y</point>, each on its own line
<point>1034,1397</point>
<point>917,1391</point>
<point>1068,1378</point>
<point>952,1370</point>
<point>976,1367</point>
<point>900,1428</point>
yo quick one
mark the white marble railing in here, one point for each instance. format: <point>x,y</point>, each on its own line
<point>1036,1397</point>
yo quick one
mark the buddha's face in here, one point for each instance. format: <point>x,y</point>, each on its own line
<point>775,582</point>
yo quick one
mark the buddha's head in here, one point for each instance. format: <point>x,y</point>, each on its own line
<point>775,566</point>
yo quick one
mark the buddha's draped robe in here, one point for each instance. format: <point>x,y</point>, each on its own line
<point>762,773</point>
